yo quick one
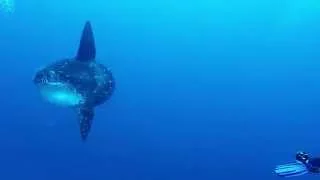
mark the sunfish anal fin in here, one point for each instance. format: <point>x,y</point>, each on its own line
<point>87,49</point>
<point>85,116</point>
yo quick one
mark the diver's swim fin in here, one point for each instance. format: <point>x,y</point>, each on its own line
<point>291,169</point>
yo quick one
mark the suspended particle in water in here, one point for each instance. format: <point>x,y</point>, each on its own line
<point>7,6</point>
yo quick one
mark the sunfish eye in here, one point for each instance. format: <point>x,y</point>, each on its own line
<point>52,76</point>
<point>51,73</point>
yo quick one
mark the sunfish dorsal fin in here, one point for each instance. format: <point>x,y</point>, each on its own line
<point>87,48</point>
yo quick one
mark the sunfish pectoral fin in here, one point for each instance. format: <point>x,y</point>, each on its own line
<point>85,115</point>
<point>87,49</point>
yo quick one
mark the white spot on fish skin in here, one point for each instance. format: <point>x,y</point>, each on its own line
<point>61,94</point>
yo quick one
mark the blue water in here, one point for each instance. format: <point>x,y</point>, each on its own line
<point>206,90</point>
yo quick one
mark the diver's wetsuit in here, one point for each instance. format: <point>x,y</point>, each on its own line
<point>313,165</point>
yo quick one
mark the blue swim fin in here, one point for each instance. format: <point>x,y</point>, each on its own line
<point>291,169</point>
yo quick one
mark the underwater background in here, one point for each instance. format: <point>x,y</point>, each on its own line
<point>205,90</point>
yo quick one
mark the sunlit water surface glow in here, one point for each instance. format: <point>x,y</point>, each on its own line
<point>7,6</point>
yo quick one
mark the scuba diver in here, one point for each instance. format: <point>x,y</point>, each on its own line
<point>304,164</point>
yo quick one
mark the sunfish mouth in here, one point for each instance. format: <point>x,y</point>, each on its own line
<point>61,94</point>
